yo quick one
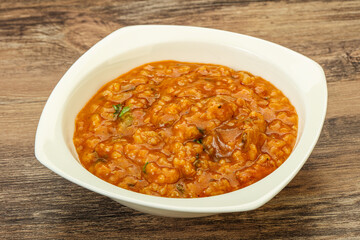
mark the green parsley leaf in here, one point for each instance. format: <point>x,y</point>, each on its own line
<point>124,110</point>
<point>120,111</point>
<point>117,109</point>
<point>144,167</point>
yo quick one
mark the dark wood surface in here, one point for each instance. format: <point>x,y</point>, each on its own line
<point>39,41</point>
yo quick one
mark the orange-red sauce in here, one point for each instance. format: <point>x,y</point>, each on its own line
<point>177,129</point>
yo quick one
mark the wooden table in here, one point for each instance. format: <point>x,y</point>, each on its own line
<point>39,41</point>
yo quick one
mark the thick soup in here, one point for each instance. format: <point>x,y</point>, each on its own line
<point>185,130</point>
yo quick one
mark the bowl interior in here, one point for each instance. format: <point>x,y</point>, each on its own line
<point>233,57</point>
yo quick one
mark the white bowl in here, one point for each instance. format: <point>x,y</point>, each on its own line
<point>301,79</point>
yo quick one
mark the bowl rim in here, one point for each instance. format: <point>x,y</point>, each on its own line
<point>195,205</point>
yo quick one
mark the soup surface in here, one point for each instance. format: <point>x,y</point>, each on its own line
<point>185,130</point>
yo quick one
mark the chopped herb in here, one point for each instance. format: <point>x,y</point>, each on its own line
<point>202,131</point>
<point>197,156</point>
<point>144,168</point>
<point>180,188</point>
<point>120,111</point>
<point>117,109</point>
<point>199,141</point>
<point>124,110</point>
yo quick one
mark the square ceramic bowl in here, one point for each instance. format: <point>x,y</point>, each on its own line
<point>301,79</point>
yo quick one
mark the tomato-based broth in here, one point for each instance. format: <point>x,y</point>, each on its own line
<point>185,130</point>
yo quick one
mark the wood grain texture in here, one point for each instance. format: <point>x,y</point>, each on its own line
<point>39,40</point>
